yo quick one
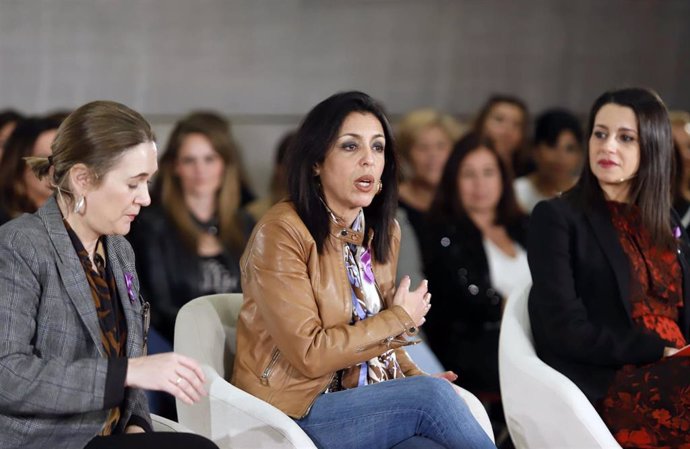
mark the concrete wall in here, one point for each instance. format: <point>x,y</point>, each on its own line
<point>266,62</point>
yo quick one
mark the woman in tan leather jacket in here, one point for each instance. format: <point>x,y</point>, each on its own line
<point>321,332</point>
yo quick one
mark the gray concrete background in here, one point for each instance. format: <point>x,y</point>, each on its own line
<point>266,62</point>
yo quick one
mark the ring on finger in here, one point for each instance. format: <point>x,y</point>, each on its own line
<point>177,382</point>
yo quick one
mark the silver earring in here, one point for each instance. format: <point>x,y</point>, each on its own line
<point>79,204</point>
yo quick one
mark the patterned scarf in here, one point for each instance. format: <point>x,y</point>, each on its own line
<point>110,314</point>
<point>366,302</point>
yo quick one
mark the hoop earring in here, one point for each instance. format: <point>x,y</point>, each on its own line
<point>79,204</point>
<point>380,189</point>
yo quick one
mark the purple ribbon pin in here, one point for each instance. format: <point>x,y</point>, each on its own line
<point>676,232</point>
<point>366,264</point>
<point>129,278</point>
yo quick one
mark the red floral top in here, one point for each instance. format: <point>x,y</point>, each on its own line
<point>656,291</point>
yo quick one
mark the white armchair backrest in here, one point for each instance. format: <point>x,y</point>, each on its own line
<point>205,330</point>
<point>544,409</point>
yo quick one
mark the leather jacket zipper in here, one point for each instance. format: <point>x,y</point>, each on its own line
<point>330,380</point>
<point>269,368</point>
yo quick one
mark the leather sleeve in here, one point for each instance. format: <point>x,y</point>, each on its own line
<point>276,269</point>
<point>559,315</point>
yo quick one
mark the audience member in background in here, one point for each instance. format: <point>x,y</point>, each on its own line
<point>557,156</point>
<point>474,258</point>
<point>610,261</point>
<point>20,190</point>
<point>425,139</point>
<point>278,187</point>
<point>8,120</point>
<point>189,244</point>
<point>680,126</point>
<point>322,329</point>
<point>72,358</point>
<point>505,120</point>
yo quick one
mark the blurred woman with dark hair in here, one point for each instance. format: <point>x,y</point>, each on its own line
<point>8,120</point>
<point>505,120</point>
<point>322,329</point>
<point>189,244</point>
<point>20,190</point>
<point>609,306</point>
<point>474,258</point>
<point>557,155</point>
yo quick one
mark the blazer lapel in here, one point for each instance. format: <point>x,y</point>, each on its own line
<point>71,271</point>
<point>129,304</point>
<point>606,234</point>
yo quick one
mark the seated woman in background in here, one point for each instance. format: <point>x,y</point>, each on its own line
<point>505,119</point>
<point>322,328</point>
<point>20,190</point>
<point>189,244</point>
<point>680,127</point>
<point>72,358</point>
<point>474,258</point>
<point>424,141</point>
<point>557,155</point>
<point>609,304</point>
<point>8,120</point>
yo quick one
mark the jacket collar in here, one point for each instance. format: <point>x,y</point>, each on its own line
<point>344,232</point>
<point>74,279</point>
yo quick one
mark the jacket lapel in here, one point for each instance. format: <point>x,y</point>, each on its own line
<point>129,304</point>
<point>607,237</point>
<point>71,271</point>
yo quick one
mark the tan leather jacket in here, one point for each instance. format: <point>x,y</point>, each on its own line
<point>293,332</point>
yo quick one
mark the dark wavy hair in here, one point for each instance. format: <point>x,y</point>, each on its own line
<point>13,195</point>
<point>313,140</point>
<point>651,189</point>
<point>447,206</point>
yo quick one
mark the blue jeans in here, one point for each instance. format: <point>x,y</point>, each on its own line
<point>388,413</point>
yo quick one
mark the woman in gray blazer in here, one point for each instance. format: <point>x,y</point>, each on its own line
<point>73,332</point>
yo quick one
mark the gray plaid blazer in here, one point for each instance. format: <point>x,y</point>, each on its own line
<point>52,363</point>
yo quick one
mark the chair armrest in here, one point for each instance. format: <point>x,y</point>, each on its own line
<point>233,418</point>
<point>161,424</point>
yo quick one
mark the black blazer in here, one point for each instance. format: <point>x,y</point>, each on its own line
<point>579,303</point>
<point>462,325</point>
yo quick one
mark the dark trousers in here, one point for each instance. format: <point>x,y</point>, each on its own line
<point>167,440</point>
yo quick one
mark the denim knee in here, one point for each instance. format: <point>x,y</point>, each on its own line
<point>436,395</point>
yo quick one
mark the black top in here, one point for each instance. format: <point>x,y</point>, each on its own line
<point>463,324</point>
<point>172,275</point>
<point>579,305</point>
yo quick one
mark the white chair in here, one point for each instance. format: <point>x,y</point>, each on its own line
<point>232,418</point>
<point>543,408</point>
<point>161,424</point>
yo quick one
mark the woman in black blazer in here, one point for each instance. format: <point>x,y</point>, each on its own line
<point>474,211</point>
<point>609,264</point>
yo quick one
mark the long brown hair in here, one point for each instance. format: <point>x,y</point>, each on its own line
<point>650,190</point>
<point>216,130</point>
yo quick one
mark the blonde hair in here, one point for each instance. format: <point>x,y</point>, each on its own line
<point>216,129</point>
<point>679,118</point>
<point>415,122</point>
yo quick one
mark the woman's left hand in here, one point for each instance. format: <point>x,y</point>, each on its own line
<point>450,376</point>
